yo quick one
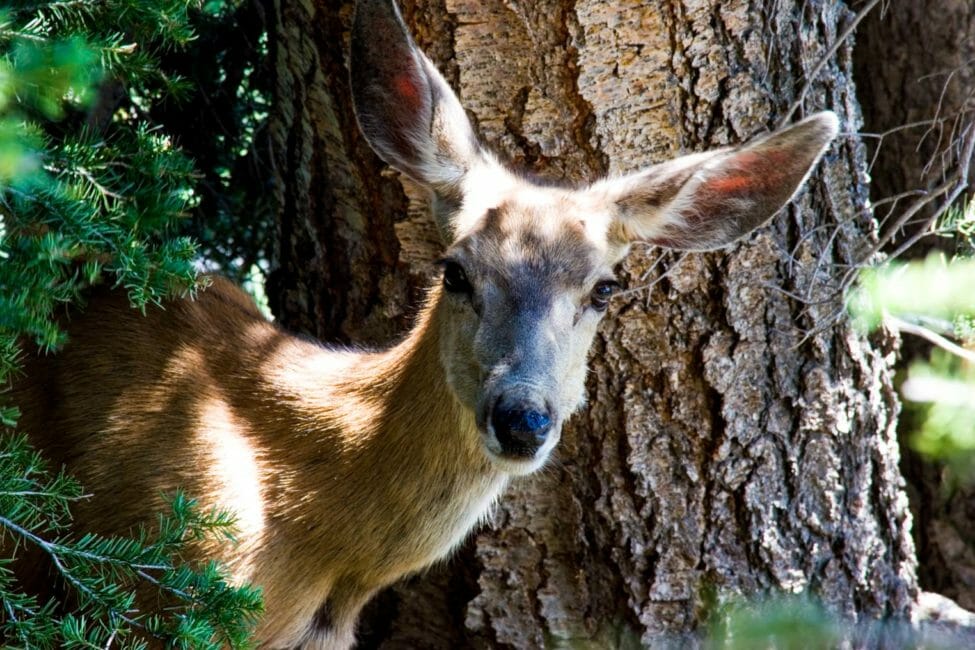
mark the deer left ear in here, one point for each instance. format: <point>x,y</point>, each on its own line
<point>406,110</point>
<point>708,200</point>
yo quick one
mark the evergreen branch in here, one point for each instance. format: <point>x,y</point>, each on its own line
<point>104,191</point>
<point>55,550</point>
<point>33,493</point>
<point>22,34</point>
<point>79,207</point>
<point>84,589</point>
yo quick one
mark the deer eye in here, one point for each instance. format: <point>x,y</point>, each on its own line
<point>454,278</point>
<point>602,292</point>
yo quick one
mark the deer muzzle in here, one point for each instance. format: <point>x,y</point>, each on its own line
<point>520,426</point>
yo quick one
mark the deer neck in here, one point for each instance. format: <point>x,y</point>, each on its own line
<point>420,416</point>
<point>404,455</point>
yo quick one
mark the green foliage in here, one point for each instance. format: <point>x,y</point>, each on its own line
<point>958,224</point>
<point>104,573</point>
<point>933,298</point>
<point>933,288</point>
<point>94,189</point>
<point>942,392</point>
<point>785,622</point>
<point>76,203</point>
<point>229,91</point>
<point>46,76</point>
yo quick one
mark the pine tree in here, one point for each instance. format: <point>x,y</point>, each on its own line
<point>93,191</point>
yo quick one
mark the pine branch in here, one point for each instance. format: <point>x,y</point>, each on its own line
<point>79,208</point>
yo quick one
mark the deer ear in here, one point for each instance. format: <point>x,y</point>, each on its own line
<point>708,200</point>
<point>406,110</point>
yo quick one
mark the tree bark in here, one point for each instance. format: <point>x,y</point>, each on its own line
<point>916,63</point>
<point>736,440</point>
<point>337,271</point>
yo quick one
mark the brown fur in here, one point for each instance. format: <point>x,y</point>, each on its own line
<point>209,396</point>
<point>347,470</point>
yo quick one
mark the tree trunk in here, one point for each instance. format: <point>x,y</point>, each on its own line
<point>338,270</point>
<point>916,63</point>
<point>737,440</point>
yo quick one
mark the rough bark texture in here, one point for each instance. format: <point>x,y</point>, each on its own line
<point>336,210</point>
<point>723,451</point>
<point>915,62</point>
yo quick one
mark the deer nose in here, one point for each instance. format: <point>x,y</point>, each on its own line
<point>520,428</point>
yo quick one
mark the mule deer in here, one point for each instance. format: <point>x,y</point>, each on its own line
<point>349,470</point>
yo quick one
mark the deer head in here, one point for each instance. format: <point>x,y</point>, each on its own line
<point>528,268</point>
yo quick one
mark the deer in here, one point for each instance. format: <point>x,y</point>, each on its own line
<point>349,469</point>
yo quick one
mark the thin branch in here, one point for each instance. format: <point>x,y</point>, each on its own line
<point>902,325</point>
<point>952,189</point>
<point>650,285</point>
<point>55,549</point>
<point>805,300</point>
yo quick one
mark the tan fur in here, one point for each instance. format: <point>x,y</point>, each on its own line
<point>343,483</point>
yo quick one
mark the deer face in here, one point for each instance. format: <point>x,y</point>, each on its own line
<point>526,281</point>
<point>528,269</point>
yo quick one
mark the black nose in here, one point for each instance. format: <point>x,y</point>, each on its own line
<point>520,428</point>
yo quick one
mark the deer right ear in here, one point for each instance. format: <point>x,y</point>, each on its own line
<point>707,200</point>
<point>406,110</point>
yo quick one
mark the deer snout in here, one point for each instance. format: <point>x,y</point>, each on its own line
<point>520,427</point>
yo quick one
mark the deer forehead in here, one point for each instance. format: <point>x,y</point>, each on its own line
<point>533,247</point>
<point>489,184</point>
<point>518,230</point>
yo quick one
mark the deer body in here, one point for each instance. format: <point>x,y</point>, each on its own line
<point>348,470</point>
<point>316,450</point>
